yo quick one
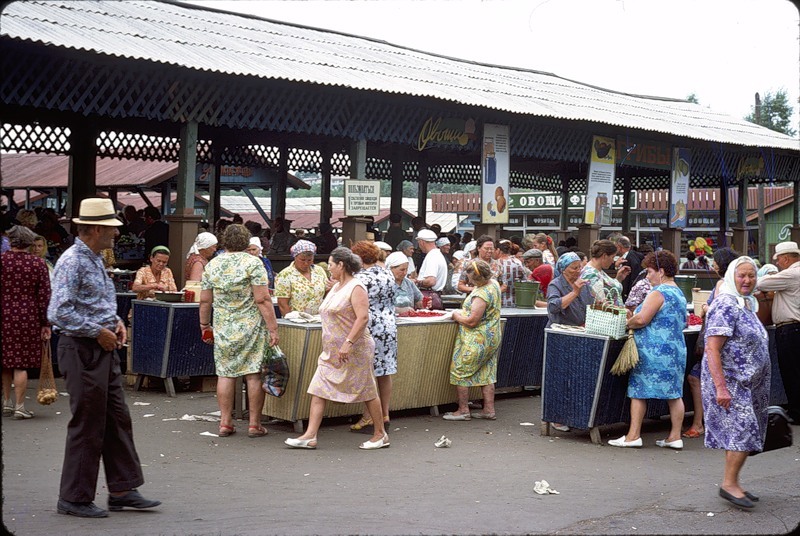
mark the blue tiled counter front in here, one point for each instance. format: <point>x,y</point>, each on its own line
<point>522,347</point>
<point>167,342</point>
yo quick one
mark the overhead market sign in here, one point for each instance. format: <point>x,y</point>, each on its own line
<point>445,131</point>
<point>549,200</point>
<point>639,152</point>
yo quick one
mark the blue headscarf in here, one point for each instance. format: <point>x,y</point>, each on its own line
<point>565,260</point>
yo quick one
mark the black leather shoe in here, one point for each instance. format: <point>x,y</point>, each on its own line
<point>752,496</point>
<point>133,499</point>
<point>741,502</point>
<point>80,509</point>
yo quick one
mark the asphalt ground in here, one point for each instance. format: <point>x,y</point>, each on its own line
<point>482,484</point>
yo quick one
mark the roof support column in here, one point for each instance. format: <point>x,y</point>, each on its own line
<point>722,237</point>
<point>278,193</point>
<point>326,210</point>
<point>396,202</point>
<point>563,217</point>
<point>422,191</point>
<point>82,166</point>
<point>740,234</point>
<point>183,223</point>
<point>626,203</point>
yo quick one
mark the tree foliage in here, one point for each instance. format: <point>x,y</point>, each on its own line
<point>776,113</point>
<point>693,98</point>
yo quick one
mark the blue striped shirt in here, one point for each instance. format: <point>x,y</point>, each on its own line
<point>83,300</point>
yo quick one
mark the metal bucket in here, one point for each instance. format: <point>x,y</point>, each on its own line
<point>525,293</point>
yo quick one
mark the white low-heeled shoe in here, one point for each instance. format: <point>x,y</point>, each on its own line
<point>621,442</point>
<point>379,444</point>
<point>301,443</point>
<point>677,444</point>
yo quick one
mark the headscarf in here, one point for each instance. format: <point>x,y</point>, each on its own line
<point>159,249</point>
<point>21,237</point>
<point>729,287</point>
<point>404,244</point>
<point>443,241</point>
<point>256,241</point>
<point>459,255</point>
<point>302,246</point>
<point>396,259</point>
<point>563,261</point>
<point>203,241</point>
<point>469,247</point>
<point>767,269</point>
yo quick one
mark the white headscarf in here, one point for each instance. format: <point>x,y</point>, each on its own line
<point>203,240</point>
<point>396,259</point>
<point>729,287</point>
<point>255,241</point>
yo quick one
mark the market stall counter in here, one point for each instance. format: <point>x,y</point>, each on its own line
<point>522,350</point>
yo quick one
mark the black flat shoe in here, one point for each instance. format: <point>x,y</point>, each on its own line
<point>80,509</point>
<point>741,502</point>
<point>752,496</point>
<point>133,499</point>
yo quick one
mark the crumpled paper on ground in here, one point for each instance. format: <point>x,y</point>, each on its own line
<point>208,418</point>
<point>300,317</point>
<point>543,488</point>
<point>443,442</point>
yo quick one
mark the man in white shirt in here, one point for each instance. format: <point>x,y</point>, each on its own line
<point>432,275</point>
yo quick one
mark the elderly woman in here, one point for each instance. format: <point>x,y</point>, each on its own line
<point>25,295</point>
<point>156,277</point>
<point>255,249</point>
<point>244,325</point>
<point>380,286</point>
<point>301,286</point>
<point>39,248</point>
<point>601,285</point>
<point>567,294</point>
<point>407,295</point>
<point>735,380</point>
<point>658,324</point>
<point>407,248</point>
<point>477,344</point>
<point>344,369</point>
<point>202,251</point>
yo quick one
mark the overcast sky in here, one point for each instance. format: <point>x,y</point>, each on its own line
<point>724,51</point>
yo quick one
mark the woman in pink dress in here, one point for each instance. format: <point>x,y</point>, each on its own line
<point>344,370</point>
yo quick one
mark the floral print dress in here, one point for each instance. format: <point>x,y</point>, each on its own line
<point>602,286</point>
<point>380,286</point>
<point>746,367</point>
<point>304,295</point>
<point>476,349</point>
<point>662,350</point>
<point>241,338</point>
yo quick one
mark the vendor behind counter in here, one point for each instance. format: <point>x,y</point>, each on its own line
<point>302,285</point>
<point>203,249</point>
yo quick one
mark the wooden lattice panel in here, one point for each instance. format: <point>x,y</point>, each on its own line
<point>34,138</point>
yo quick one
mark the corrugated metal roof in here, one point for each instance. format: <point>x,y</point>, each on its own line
<point>210,40</point>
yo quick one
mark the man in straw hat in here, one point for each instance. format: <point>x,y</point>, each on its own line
<point>83,308</point>
<point>786,315</point>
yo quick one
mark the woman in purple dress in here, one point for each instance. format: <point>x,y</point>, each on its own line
<point>735,377</point>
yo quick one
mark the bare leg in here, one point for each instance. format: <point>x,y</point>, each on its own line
<point>463,399</point>
<point>7,375</point>
<point>314,418</point>
<point>225,392</point>
<point>676,414</point>
<point>385,392</point>
<point>697,401</point>
<point>255,398</point>
<point>488,398</point>
<point>374,408</point>
<point>638,409</point>
<point>733,465</point>
<point>20,384</point>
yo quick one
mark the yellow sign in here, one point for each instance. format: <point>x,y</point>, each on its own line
<point>445,131</point>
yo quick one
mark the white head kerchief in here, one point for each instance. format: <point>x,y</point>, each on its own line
<point>729,287</point>
<point>203,240</point>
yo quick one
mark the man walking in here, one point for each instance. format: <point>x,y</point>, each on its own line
<point>83,309</point>
<point>786,315</point>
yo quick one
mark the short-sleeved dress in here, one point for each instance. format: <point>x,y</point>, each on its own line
<point>380,286</point>
<point>406,294</point>
<point>241,337</point>
<point>662,350</point>
<point>476,349</point>
<point>25,296</point>
<point>602,286</point>
<point>304,295</point>
<point>746,367</point>
<point>349,382</point>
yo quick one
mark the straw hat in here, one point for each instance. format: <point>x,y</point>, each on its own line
<point>784,248</point>
<point>97,211</point>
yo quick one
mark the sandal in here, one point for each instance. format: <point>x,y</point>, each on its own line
<point>452,416</point>
<point>363,423</point>
<point>479,415</point>
<point>225,431</point>
<point>693,433</point>
<point>256,431</point>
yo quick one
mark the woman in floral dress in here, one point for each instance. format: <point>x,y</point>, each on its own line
<point>602,287</point>
<point>380,286</point>
<point>658,324</point>
<point>244,325</point>
<point>735,380</point>
<point>477,343</point>
<point>301,286</point>
<point>344,369</point>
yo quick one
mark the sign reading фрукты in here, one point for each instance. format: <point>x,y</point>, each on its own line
<point>362,198</point>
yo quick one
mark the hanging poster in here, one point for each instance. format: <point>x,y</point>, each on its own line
<point>495,166</point>
<point>362,198</point>
<point>600,184</point>
<point>679,188</point>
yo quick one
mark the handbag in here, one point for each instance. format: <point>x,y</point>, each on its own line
<point>274,372</point>
<point>606,319</point>
<point>46,392</point>
<point>628,357</point>
<point>779,433</point>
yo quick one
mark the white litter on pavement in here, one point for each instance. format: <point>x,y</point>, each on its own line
<point>207,418</point>
<point>141,403</point>
<point>543,488</point>
<point>526,424</point>
<point>443,443</point>
<point>149,415</point>
<point>170,419</point>
<point>710,514</point>
<point>215,413</point>
<point>209,434</point>
<point>64,394</point>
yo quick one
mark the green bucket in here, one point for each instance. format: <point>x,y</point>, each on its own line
<point>525,293</point>
<point>686,283</point>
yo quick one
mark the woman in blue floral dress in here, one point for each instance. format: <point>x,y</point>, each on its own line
<point>658,325</point>
<point>735,379</point>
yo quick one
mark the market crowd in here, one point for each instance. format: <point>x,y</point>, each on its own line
<point>54,282</point>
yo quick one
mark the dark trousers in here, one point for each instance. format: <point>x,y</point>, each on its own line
<point>100,425</point>
<point>787,342</point>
